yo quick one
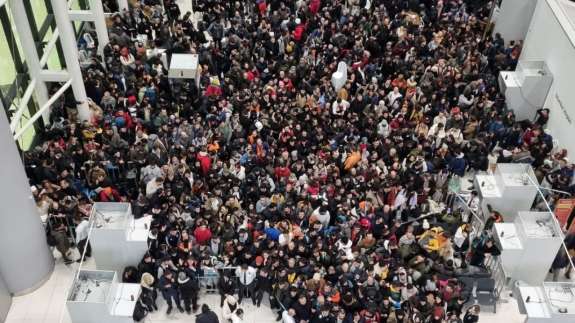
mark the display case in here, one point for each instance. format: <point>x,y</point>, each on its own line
<point>183,66</point>
<point>550,302</point>
<point>561,299</point>
<point>526,88</point>
<point>541,238</point>
<point>528,245</point>
<point>510,189</point>
<point>509,243</point>
<point>489,194</point>
<point>96,296</point>
<point>118,239</point>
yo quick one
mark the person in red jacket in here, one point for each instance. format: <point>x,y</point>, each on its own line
<point>299,31</point>
<point>202,234</point>
<point>262,7</point>
<point>282,171</point>
<point>205,161</point>
<point>314,6</point>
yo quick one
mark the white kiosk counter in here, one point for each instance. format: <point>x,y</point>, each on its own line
<point>118,240</point>
<point>510,189</point>
<point>96,296</point>
<point>549,302</point>
<point>528,246</point>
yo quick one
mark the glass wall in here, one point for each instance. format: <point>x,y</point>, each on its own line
<point>14,77</point>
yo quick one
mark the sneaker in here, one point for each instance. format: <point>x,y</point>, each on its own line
<point>181,309</point>
<point>189,311</point>
<point>279,318</point>
<point>169,311</point>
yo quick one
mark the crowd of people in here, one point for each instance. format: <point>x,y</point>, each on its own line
<point>318,199</point>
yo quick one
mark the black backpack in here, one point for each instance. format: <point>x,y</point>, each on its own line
<point>140,311</point>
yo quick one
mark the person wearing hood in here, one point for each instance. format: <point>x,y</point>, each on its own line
<point>230,307</point>
<point>188,291</point>
<point>207,315</point>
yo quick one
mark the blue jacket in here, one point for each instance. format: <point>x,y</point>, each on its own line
<point>457,166</point>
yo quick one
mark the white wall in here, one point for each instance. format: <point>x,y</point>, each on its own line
<point>513,19</point>
<point>547,40</point>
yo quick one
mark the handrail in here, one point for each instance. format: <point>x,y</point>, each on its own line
<point>538,187</point>
<point>467,207</point>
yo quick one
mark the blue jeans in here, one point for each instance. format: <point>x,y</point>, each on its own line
<point>172,294</point>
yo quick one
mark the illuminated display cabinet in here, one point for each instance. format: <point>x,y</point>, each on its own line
<point>118,239</point>
<point>511,189</point>
<point>96,296</point>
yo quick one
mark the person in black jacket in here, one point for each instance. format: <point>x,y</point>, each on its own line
<point>263,285</point>
<point>188,291</point>
<point>323,316</point>
<point>170,291</point>
<point>302,309</point>
<point>478,256</point>
<point>207,316</point>
<point>148,265</point>
<point>226,286</point>
<point>472,315</point>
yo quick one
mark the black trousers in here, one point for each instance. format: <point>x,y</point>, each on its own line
<point>247,291</point>
<point>260,295</point>
<point>190,301</point>
<point>85,245</point>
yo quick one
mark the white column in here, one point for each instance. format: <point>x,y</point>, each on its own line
<point>97,10</point>
<point>30,53</point>
<point>26,261</point>
<point>123,5</point>
<point>70,49</point>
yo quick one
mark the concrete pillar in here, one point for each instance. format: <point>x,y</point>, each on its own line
<point>30,53</point>
<point>97,10</point>
<point>26,261</point>
<point>70,49</point>
<point>5,300</point>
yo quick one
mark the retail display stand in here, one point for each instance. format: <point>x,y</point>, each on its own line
<point>96,296</point>
<point>183,66</point>
<point>528,245</point>
<point>526,88</point>
<point>118,240</point>
<point>547,303</point>
<point>512,188</point>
